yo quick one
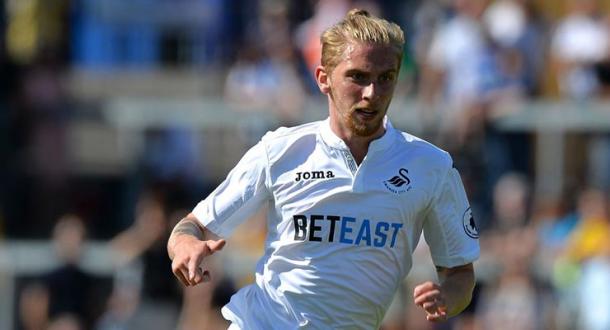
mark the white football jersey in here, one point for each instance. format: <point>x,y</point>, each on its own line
<point>340,236</point>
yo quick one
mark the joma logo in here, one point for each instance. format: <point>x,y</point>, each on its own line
<point>314,175</point>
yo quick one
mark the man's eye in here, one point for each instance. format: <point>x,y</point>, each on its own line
<point>386,78</point>
<point>358,76</point>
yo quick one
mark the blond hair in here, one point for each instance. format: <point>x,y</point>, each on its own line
<point>358,25</point>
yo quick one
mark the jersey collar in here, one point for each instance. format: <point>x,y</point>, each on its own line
<point>382,143</point>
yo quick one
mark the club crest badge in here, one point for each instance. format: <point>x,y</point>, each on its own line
<point>470,227</point>
<point>400,183</point>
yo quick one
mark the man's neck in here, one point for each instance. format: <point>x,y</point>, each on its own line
<point>358,149</point>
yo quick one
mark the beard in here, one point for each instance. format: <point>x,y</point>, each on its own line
<point>359,127</point>
<point>363,128</point>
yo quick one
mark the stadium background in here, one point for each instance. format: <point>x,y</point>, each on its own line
<point>116,117</point>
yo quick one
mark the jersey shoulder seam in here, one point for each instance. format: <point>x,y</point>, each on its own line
<point>283,132</point>
<point>412,141</point>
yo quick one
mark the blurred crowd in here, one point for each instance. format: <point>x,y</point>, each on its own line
<point>545,260</point>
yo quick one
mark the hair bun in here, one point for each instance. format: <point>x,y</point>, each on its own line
<point>358,12</point>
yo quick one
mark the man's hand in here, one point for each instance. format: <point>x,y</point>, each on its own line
<point>187,249</point>
<point>429,296</point>
<point>450,297</point>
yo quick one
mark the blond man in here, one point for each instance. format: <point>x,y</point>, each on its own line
<point>349,199</point>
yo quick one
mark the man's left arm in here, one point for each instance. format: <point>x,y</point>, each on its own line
<point>450,296</point>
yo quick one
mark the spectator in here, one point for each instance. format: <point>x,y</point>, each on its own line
<point>457,70</point>
<point>586,243</point>
<point>511,198</point>
<point>591,237</point>
<point>469,77</point>
<point>513,300</point>
<point>73,290</point>
<point>554,221</point>
<point>141,298</point>
<point>149,298</point>
<point>518,32</point>
<point>580,41</point>
<point>512,295</point>
<point>266,75</point>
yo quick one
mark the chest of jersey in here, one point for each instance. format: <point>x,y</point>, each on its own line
<point>324,196</point>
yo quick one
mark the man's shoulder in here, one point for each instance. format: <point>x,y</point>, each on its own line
<point>421,147</point>
<point>277,142</point>
<point>288,133</point>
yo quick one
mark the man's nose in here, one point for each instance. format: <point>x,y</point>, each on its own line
<point>370,91</point>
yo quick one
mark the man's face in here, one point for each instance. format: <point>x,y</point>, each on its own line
<point>360,88</point>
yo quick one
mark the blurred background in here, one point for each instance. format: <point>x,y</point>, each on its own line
<point>118,116</point>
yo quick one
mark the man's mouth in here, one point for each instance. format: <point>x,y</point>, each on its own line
<point>365,112</point>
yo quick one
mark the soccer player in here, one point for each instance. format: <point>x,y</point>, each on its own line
<point>349,198</point>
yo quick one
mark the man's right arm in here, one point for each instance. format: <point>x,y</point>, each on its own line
<point>239,196</point>
<point>187,247</point>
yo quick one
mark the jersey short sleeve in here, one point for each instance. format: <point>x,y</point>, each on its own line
<point>449,228</point>
<point>239,196</point>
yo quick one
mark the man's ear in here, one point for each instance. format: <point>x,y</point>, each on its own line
<point>322,78</point>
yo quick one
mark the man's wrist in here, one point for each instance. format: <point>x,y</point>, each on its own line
<point>457,285</point>
<point>187,228</point>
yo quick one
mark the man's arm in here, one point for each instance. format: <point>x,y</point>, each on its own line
<point>450,297</point>
<point>187,246</point>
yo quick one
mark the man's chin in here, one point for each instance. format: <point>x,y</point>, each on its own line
<point>363,130</point>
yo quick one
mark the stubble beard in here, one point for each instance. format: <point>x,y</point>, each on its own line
<point>358,128</point>
<point>362,129</point>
